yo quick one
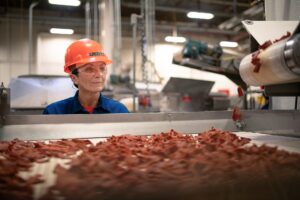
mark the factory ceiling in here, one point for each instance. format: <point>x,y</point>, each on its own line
<point>168,14</point>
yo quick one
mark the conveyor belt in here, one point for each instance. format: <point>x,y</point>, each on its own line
<point>290,144</point>
<point>97,127</point>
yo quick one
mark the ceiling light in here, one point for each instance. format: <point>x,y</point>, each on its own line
<point>228,44</point>
<point>63,31</point>
<point>175,39</point>
<point>200,15</point>
<point>65,2</point>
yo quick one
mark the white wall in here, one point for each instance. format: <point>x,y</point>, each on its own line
<point>47,58</point>
<point>13,49</point>
<point>51,49</point>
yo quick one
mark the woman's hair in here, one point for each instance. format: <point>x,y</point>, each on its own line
<point>74,71</point>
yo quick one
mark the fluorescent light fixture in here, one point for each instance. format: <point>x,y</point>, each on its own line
<point>200,15</point>
<point>65,2</point>
<point>228,44</point>
<point>63,31</point>
<point>175,39</point>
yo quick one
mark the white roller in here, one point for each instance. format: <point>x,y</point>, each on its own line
<point>273,70</point>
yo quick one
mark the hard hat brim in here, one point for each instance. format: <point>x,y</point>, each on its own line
<point>88,60</point>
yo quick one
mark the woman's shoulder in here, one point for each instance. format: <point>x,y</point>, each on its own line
<point>113,105</point>
<point>59,107</point>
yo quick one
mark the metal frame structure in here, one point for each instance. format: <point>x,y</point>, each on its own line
<point>40,127</point>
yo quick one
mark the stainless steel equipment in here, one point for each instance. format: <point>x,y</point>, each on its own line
<point>41,127</point>
<point>37,91</point>
<point>186,94</point>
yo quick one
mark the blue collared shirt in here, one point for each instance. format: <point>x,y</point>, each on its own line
<point>73,106</point>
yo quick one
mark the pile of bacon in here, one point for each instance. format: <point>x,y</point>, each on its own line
<point>18,155</point>
<point>212,165</point>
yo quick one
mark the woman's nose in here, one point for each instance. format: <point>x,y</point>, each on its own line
<point>100,72</point>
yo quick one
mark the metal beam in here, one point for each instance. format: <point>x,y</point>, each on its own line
<point>32,5</point>
<point>228,3</point>
<point>174,9</point>
<point>44,20</point>
<point>80,22</point>
<point>186,27</point>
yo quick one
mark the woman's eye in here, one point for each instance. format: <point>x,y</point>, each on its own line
<point>89,70</point>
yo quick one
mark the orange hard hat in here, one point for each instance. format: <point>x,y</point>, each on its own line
<point>84,51</point>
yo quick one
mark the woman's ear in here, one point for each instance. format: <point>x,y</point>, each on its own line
<point>74,78</point>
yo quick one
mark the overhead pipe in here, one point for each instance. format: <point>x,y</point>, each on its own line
<point>173,9</point>
<point>117,35</point>
<point>87,20</point>
<point>134,22</point>
<point>32,5</point>
<point>95,7</point>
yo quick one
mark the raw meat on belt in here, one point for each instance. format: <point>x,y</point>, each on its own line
<point>265,45</point>
<point>256,61</point>
<point>288,34</point>
<point>18,155</point>
<point>214,164</point>
<point>255,56</point>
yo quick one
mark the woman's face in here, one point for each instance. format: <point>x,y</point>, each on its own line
<point>91,77</point>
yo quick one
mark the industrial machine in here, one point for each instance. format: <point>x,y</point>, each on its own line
<point>203,52</point>
<point>190,95</point>
<point>275,61</point>
<point>204,57</point>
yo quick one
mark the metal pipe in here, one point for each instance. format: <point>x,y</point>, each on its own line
<point>87,20</point>
<point>182,27</point>
<point>235,7</point>
<point>223,3</point>
<point>134,19</point>
<point>32,5</point>
<point>95,6</point>
<point>173,9</point>
<point>117,35</point>
<point>119,31</point>
<point>134,23</point>
<point>99,24</point>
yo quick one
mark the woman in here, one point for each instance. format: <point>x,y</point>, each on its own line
<point>86,64</point>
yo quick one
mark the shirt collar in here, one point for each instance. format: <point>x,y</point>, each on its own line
<point>77,107</point>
